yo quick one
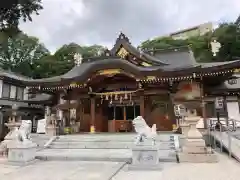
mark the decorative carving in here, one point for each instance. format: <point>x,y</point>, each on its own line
<point>109,72</point>
<point>144,131</point>
<point>146,64</point>
<point>149,78</point>
<point>122,53</point>
<point>237,70</point>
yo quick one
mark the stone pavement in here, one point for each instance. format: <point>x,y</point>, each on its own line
<point>61,170</point>
<point>226,169</point>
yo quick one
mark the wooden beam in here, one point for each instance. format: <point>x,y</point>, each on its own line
<point>154,92</point>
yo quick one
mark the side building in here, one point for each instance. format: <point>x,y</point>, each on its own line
<point>13,92</point>
<point>193,31</point>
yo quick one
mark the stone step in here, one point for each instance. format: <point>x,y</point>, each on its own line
<point>109,137</point>
<point>103,145</point>
<point>118,155</point>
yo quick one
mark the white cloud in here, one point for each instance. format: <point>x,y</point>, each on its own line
<point>99,21</point>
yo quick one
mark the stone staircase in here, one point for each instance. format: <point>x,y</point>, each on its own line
<point>40,139</point>
<point>105,147</point>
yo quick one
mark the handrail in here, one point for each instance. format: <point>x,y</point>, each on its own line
<point>231,122</point>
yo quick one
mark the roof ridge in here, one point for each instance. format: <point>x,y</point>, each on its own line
<point>173,48</point>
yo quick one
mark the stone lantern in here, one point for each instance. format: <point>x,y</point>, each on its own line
<point>194,148</point>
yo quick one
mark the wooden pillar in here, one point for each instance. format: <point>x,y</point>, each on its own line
<point>93,112</point>
<point>124,113</point>
<point>114,119</point>
<point>170,110</point>
<point>142,106</point>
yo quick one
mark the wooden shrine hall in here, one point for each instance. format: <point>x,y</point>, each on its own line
<point>109,90</point>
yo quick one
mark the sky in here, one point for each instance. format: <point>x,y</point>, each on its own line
<point>89,22</point>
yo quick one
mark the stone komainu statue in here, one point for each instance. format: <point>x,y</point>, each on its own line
<point>21,135</point>
<point>24,131</point>
<point>144,131</point>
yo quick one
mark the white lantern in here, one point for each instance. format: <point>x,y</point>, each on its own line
<point>215,46</point>
<point>78,59</point>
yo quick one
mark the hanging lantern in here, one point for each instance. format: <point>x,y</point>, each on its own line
<point>106,97</point>
<point>126,96</point>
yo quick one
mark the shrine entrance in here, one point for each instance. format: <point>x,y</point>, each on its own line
<point>120,117</point>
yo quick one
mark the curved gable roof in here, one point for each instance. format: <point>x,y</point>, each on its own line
<point>123,41</point>
<point>83,71</point>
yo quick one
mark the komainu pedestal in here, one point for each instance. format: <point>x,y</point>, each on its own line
<point>145,152</point>
<point>145,158</point>
<point>21,153</point>
<point>22,150</point>
<point>194,148</point>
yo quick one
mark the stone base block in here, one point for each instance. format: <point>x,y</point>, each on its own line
<point>21,163</point>
<point>144,168</point>
<point>51,131</point>
<point>145,157</point>
<point>195,143</point>
<point>21,153</point>
<point>197,158</point>
<point>195,150</point>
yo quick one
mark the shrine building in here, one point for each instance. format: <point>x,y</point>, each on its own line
<point>106,92</point>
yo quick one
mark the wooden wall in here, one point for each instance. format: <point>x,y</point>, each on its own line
<point>154,114</point>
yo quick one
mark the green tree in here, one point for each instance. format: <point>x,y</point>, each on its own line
<point>21,53</point>
<point>228,35</point>
<point>12,11</point>
<point>163,43</point>
<point>200,45</point>
<point>63,59</point>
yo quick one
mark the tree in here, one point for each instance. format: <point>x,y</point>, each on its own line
<point>228,35</point>
<point>200,45</point>
<point>14,10</point>
<point>163,43</point>
<point>63,59</point>
<point>21,53</point>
